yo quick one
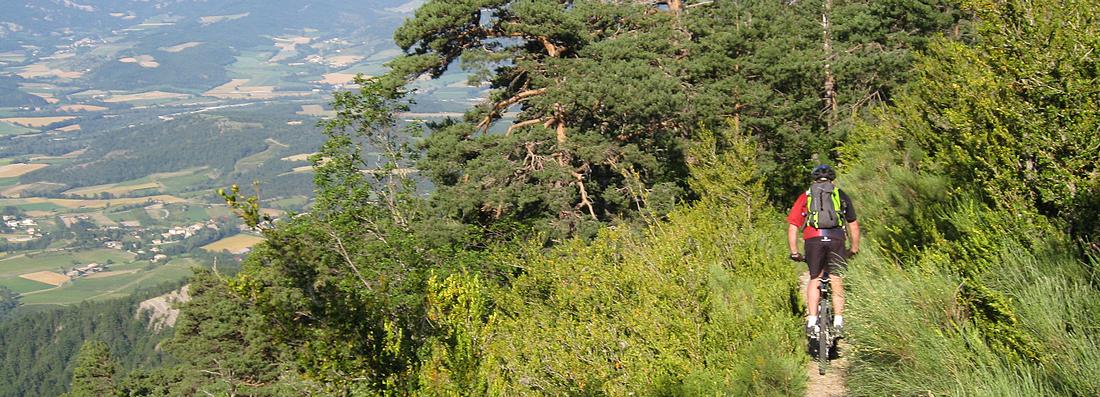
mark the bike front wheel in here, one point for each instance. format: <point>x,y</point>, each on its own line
<point>823,324</point>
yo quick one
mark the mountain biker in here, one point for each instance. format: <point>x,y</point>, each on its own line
<point>824,224</point>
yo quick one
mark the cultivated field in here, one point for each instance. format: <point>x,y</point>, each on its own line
<point>182,46</point>
<point>18,190</point>
<point>76,203</point>
<point>12,129</point>
<point>236,89</point>
<point>235,244</point>
<point>145,61</point>
<point>65,156</point>
<point>337,78</point>
<point>288,47</point>
<point>144,96</point>
<point>298,157</point>
<point>50,278</point>
<point>47,96</point>
<point>119,284</point>
<point>112,274</point>
<point>315,111</point>
<point>35,122</point>
<point>80,108</point>
<point>44,70</point>
<point>113,188</point>
<point>69,128</point>
<point>19,169</point>
<point>212,19</point>
<point>340,61</point>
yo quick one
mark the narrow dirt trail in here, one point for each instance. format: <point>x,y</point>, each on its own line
<point>833,383</point>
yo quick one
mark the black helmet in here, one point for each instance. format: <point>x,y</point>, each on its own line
<point>823,172</point>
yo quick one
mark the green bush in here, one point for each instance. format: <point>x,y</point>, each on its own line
<point>700,304</point>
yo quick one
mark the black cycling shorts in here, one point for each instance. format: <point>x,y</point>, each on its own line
<point>822,251</point>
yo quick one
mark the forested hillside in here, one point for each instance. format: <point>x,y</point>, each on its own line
<point>39,347</point>
<point>624,235</point>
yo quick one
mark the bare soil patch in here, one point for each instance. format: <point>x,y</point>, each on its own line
<point>19,169</point>
<point>235,244</point>
<point>303,169</point>
<point>43,70</point>
<point>288,47</point>
<point>182,46</point>
<point>145,61</point>
<point>35,122</point>
<point>298,157</point>
<point>337,78</point>
<point>340,61</point>
<point>50,278</point>
<point>212,19</point>
<point>236,89</point>
<point>69,128</point>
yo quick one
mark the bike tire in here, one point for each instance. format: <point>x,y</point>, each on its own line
<point>824,313</point>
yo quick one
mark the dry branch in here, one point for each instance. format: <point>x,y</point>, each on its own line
<point>523,124</point>
<point>502,105</point>
<point>584,194</point>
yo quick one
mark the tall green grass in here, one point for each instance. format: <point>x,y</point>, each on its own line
<point>952,297</point>
<point>912,336</point>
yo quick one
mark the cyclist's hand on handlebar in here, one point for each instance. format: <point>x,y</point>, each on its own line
<point>797,257</point>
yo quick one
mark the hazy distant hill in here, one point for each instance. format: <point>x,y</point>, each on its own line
<point>33,21</point>
<point>187,44</point>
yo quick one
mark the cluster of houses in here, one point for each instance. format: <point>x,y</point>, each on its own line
<point>28,226</point>
<point>184,232</point>
<point>81,271</point>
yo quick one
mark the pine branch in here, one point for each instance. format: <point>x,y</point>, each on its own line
<point>502,105</point>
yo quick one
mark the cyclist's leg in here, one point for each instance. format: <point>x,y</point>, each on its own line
<point>815,260</point>
<point>837,262</point>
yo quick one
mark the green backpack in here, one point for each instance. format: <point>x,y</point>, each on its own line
<point>823,207</point>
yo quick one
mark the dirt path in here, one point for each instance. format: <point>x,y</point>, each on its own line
<point>833,383</point>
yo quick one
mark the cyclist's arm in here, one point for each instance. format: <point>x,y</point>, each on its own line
<point>792,238</point>
<point>853,230</point>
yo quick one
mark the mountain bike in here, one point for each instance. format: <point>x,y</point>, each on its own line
<point>827,335</point>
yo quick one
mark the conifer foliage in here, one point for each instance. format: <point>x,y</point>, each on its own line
<point>608,93</point>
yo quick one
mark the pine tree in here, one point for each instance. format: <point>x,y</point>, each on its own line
<point>94,375</point>
<point>9,300</point>
<point>608,93</point>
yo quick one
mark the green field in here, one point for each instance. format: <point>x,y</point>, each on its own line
<point>22,286</point>
<point>178,183</point>
<point>12,129</point>
<point>111,287</point>
<point>51,261</point>
<point>38,207</point>
<point>193,213</point>
<point>289,202</point>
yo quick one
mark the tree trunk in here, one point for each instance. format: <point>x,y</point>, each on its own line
<point>830,82</point>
